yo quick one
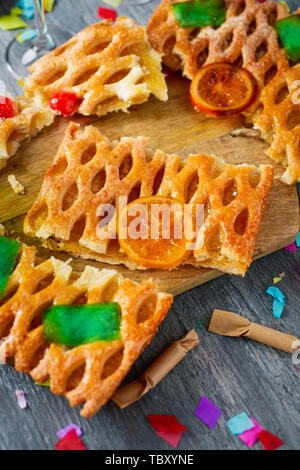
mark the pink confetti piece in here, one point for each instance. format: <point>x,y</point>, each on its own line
<point>251,436</point>
<point>64,431</point>
<point>291,247</point>
<point>171,438</point>
<point>21,399</point>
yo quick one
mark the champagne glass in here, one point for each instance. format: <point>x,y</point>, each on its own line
<point>19,56</point>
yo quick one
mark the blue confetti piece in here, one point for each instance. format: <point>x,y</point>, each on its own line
<point>279,301</point>
<point>240,423</point>
<point>28,13</point>
<point>298,240</point>
<point>25,4</point>
<point>27,35</point>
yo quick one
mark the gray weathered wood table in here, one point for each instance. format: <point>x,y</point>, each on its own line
<point>236,374</point>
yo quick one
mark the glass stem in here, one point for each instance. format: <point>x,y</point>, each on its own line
<point>44,40</point>
<point>39,15</point>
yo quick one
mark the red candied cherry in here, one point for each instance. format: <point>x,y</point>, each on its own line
<point>8,107</point>
<point>64,102</point>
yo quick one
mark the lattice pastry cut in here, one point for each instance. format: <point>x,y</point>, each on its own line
<point>278,119</point>
<point>109,67</point>
<point>89,172</point>
<point>30,119</point>
<point>89,373</point>
<point>246,38</point>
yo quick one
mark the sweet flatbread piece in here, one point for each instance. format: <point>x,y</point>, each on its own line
<point>108,66</point>
<point>278,119</point>
<point>88,172</point>
<point>88,373</point>
<point>29,120</point>
<point>247,38</point>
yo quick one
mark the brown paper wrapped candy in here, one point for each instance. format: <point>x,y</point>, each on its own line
<point>231,324</point>
<point>157,371</point>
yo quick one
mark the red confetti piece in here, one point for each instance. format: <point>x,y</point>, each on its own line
<point>70,442</point>
<point>64,102</point>
<point>107,13</point>
<point>8,107</point>
<point>165,423</point>
<point>171,438</point>
<point>270,441</point>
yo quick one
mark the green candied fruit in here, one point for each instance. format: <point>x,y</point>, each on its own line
<point>73,325</point>
<point>288,30</point>
<point>200,13</point>
<point>9,250</point>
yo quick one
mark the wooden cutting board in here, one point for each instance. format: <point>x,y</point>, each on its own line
<point>176,128</point>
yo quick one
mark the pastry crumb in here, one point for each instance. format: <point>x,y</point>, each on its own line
<point>246,132</point>
<point>16,185</point>
<point>2,230</point>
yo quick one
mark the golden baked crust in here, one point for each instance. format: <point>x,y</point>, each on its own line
<point>109,66</point>
<point>278,119</point>
<point>279,122</point>
<point>237,198</point>
<point>30,120</point>
<point>88,373</point>
<point>88,172</point>
<point>247,37</point>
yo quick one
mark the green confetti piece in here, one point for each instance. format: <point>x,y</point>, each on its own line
<point>199,14</point>
<point>45,384</point>
<point>73,325</point>
<point>9,250</point>
<point>200,324</point>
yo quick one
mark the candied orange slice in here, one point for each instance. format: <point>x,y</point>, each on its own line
<point>151,232</point>
<point>222,89</point>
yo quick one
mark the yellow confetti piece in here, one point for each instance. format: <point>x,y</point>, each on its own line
<point>49,4</point>
<point>276,279</point>
<point>20,82</point>
<point>19,38</point>
<point>286,5</point>
<point>9,22</point>
<point>113,3</point>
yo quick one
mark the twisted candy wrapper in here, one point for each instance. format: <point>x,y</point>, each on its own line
<point>157,371</point>
<point>230,324</point>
